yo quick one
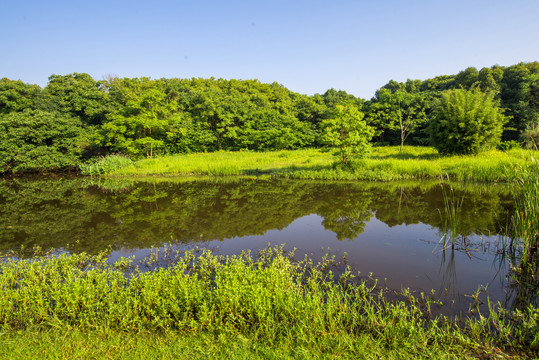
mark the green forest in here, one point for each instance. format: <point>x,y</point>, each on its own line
<point>75,118</point>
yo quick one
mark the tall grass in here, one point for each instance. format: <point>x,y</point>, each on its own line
<point>382,164</point>
<point>226,163</point>
<point>526,215</point>
<point>105,165</point>
<point>453,201</point>
<point>270,300</point>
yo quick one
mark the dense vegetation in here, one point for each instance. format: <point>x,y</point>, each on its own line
<point>267,306</point>
<point>76,118</point>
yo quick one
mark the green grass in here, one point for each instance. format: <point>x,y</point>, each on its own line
<point>526,217</point>
<point>383,164</point>
<point>269,306</point>
<point>104,165</point>
<point>227,163</point>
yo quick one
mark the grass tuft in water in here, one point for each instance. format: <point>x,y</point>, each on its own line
<point>107,164</point>
<point>453,201</point>
<point>526,216</point>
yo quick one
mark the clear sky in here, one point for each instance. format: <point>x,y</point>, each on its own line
<point>308,46</point>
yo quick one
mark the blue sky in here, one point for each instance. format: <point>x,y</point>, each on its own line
<point>308,46</point>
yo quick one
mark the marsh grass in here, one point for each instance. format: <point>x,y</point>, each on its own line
<point>526,215</point>
<point>525,236</point>
<point>451,219</point>
<point>107,164</point>
<point>382,164</point>
<point>245,304</point>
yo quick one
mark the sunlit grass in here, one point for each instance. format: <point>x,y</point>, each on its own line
<point>383,164</point>
<point>225,163</point>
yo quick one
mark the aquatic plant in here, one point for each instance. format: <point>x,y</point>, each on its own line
<point>522,249</point>
<point>107,164</point>
<point>453,201</point>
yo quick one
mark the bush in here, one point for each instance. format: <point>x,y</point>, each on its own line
<point>347,133</point>
<point>106,164</point>
<point>466,122</point>
<point>508,145</point>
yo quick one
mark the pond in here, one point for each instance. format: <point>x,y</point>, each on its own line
<point>387,231</point>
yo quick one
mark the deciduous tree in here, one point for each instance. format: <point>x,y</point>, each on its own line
<point>348,133</point>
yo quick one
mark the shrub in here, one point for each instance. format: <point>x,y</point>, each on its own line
<point>466,122</point>
<point>347,133</point>
<point>508,145</point>
<point>106,164</point>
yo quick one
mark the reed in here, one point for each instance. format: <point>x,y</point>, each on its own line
<point>526,216</point>
<point>453,201</point>
<point>105,165</point>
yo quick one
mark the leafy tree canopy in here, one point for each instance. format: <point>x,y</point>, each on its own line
<point>348,133</point>
<point>34,140</point>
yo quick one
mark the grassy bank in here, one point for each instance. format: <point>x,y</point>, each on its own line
<point>383,164</point>
<point>240,306</point>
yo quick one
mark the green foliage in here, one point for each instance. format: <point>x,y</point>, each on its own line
<point>520,95</point>
<point>144,117</point>
<point>398,110</point>
<point>76,95</point>
<point>16,96</point>
<point>139,126</point>
<point>270,299</point>
<point>348,133</point>
<point>35,140</point>
<point>466,122</point>
<point>233,115</point>
<point>104,165</point>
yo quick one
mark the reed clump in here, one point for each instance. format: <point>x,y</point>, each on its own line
<point>525,220</point>
<point>453,200</point>
<point>270,299</point>
<point>104,165</point>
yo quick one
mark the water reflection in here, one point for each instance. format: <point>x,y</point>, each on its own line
<point>390,229</point>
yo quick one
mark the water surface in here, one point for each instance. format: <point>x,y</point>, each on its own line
<point>391,230</point>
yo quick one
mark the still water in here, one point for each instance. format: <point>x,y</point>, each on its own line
<point>390,230</point>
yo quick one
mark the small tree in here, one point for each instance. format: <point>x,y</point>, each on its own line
<point>347,132</point>
<point>466,122</point>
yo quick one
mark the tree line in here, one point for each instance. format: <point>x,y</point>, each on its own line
<point>75,118</point>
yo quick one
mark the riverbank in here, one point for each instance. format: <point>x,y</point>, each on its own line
<point>262,306</point>
<point>382,164</point>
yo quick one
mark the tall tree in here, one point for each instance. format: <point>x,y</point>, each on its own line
<point>398,110</point>
<point>34,140</point>
<point>139,126</point>
<point>17,96</point>
<point>348,133</point>
<point>76,95</point>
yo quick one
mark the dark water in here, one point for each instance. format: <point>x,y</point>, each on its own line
<point>390,230</point>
